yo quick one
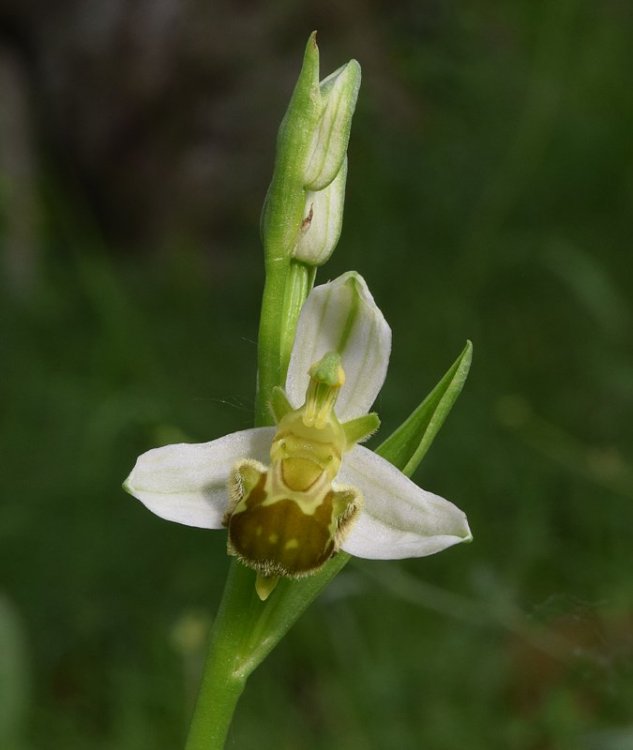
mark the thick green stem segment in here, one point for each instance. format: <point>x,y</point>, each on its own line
<point>245,631</point>
<point>288,283</point>
<point>224,677</point>
<point>216,704</point>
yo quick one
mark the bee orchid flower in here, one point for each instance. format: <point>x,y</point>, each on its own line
<point>293,495</point>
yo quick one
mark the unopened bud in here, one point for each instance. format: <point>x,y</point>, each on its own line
<point>339,92</point>
<point>322,221</point>
<point>303,210</point>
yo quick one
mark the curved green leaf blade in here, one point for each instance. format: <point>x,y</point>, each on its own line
<point>407,446</point>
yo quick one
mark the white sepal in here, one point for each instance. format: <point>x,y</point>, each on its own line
<point>186,482</point>
<point>398,519</point>
<point>342,316</point>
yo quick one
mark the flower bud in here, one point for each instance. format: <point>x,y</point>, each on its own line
<point>339,92</point>
<point>311,150</point>
<point>322,221</point>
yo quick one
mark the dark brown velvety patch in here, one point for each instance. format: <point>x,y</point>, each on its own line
<point>280,538</point>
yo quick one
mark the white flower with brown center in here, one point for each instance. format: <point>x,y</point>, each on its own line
<point>293,495</point>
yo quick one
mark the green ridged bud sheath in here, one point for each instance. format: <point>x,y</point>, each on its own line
<point>302,215</point>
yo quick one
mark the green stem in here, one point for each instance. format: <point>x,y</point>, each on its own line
<point>232,654</point>
<point>287,285</point>
<point>245,631</point>
<point>224,676</point>
<point>268,351</point>
<point>215,707</point>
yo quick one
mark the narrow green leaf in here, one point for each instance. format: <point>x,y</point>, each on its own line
<point>407,446</point>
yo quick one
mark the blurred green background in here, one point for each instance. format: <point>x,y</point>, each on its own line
<point>490,197</point>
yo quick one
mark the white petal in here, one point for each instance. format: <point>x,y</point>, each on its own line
<point>186,482</point>
<point>342,316</point>
<point>398,519</point>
